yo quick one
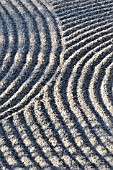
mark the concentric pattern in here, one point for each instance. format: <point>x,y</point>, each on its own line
<point>56,76</point>
<point>29,52</point>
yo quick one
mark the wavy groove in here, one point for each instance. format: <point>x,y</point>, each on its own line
<point>36,50</point>
<point>56,84</point>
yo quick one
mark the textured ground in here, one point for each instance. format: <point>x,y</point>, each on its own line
<point>56,77</point>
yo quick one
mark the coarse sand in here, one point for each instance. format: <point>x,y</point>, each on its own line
<point>56,84</point>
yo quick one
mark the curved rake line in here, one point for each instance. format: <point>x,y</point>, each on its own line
<point>51,122</point>
<point>95,85</point>
<point>73,100</point>
<point>106,89</point>
<point>24,150</point>
<point>25,71</point>
<point>27,101</point>
<point>31,119</point>
<point>8,144</point>
<point>12,48</point>
<point>4,36</point>
<point>53,110</point>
